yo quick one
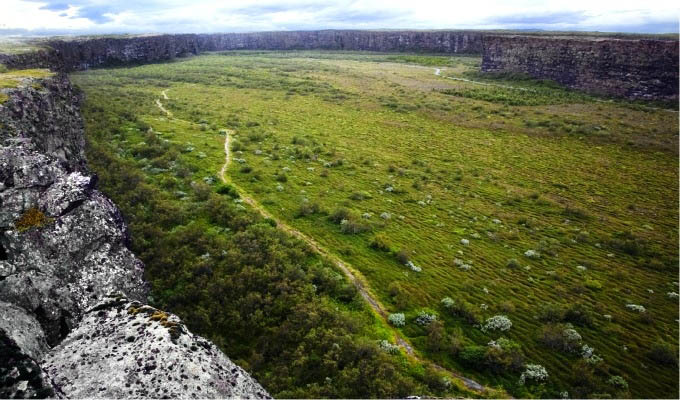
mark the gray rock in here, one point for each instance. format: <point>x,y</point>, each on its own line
<point>65,267</point>
<point>23,329</point>
<point>123,348</point>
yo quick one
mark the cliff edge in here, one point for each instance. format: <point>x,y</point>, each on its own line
<point>71,292</point>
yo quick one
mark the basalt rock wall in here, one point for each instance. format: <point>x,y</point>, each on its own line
<point>79,54</point>
<point>635,69</point>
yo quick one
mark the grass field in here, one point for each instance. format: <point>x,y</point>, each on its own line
<point>509,196</point>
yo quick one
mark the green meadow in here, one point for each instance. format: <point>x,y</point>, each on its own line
<point>514,223</point>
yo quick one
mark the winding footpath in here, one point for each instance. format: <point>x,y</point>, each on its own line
<point>353,275</point>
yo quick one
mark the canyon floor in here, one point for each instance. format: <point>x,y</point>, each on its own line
<point>512,222</point>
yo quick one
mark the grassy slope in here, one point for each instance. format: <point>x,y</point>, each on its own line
<point>567,176</point>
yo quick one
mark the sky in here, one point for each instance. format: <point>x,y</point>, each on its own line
<point>52,17</point>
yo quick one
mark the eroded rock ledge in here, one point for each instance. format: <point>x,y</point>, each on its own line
<point>62,254</point>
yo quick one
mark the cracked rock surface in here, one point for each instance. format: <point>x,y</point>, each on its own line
<point>123,348</point>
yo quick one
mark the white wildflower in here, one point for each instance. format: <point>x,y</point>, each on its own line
<point>581,268</point>
<point>464,242</point>
<point>672,295</point>
<point>385,215</point>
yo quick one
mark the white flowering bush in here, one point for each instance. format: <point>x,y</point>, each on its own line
<point>461,264</point>
<point>448,302</point>
<point>588,354</point>
<point>464,242</point>
<point>497,323</point>
<point>531,254</point>
<point>533,372</point>
<point>672,295</point>
<point>424,318</point>
<point>397,319</point>
<point>572,335</point>
<point>385,215</point>
<point>413,267</point>
<point>388,347</point>
<point>636,307</point>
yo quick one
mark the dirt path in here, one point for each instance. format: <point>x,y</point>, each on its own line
<point>354,276</point>
<point>160,105</point>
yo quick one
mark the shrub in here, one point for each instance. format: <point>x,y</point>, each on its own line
<point>504,355</point>
<point>465,310</point>
<point>352,227</point>
<point>281,178</point>
<point>473,356</point>
<point>339,215</point>
<point>560,337</point>
<point>424,318</point>
<point>513,263</point>
<point>388,347</point>
<point>551,313</point>
<point>577,314</point>
<point>380,242</point>
<point>227,190</point>
<point>497,323</point>
<point>401,256</point>
<point>31,218</point>
<point>663,353</point>
<point>307,209</point>
<point>246,169</point>
<point>533,372</point>
<point>593,284</point>
<point>397,319</point>
<point>448,302</point>
<point>618,382</point>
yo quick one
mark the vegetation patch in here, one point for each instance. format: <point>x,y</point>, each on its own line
<point>32,218</point>
<point>541,215</point>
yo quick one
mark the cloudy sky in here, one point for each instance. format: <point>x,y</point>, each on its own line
<point>40,17</point>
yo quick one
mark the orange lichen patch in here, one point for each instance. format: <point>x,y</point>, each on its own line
<point>32,218</point>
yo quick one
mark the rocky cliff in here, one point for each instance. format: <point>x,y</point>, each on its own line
<point>63,254</point>
<point>83,53</point>
<point>635,69</point>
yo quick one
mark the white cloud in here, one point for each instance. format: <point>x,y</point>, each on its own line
<point>85,16</point>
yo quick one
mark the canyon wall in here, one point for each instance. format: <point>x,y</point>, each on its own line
<point>73,322</point>
<point>634,69</point>
<point>83,53</point>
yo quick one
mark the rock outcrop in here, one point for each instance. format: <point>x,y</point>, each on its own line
<point>635,69</point>
<point>62,252</point>
<point>126,349</point>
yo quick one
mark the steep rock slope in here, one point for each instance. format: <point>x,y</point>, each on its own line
<point>636,69</point>
<point>62,252</point>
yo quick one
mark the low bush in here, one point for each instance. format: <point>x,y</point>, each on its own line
<point>663,353</point>
<point>380,242</point>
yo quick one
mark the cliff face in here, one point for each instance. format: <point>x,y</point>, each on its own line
<point>78,54</point>
<point>635,69</point>
<point>403,41</point>
<point>62,254</point>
